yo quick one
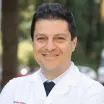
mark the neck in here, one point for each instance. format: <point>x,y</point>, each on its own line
<point>50,75</point>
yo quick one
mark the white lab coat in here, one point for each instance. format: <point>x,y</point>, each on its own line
<point>74,88</point>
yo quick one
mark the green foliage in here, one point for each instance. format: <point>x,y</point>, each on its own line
<point>101,32</point>
<point>25,21</point>
<point>0,44</point>
<point>23,4</point>
<point>38,2</point>
<point>24,49</point>
<point>24,29</point>
<point>25,54</point>
<point>0,47</point>
<point>31,61</point>
<point>78,8</point>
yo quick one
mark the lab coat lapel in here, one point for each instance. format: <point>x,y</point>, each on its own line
<point>64,86</point>
<point>37,88</point>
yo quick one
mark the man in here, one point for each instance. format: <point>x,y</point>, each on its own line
<point>58,81</point>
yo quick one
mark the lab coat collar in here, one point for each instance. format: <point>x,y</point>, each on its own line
<point>73,76</point>
<point>72,79</point>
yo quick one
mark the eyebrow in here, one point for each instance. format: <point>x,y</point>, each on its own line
<point>39,35</point>
<point>59,34</point>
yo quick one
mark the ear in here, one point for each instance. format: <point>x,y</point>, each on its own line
<point>74,42</point>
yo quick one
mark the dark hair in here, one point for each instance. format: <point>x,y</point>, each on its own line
<point>54,11</point>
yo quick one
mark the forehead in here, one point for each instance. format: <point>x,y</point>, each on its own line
<point>45,26</point>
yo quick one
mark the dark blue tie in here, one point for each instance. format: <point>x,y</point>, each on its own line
<point>48,86</point>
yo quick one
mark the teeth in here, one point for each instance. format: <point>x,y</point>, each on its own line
<point>49,55</point>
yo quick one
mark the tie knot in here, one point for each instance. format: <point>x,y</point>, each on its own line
<point>48,86</point>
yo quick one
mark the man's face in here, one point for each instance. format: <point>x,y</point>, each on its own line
<point>52,44</point>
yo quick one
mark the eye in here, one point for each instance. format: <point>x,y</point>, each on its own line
<point>41,38</point>
<point>60,38</point>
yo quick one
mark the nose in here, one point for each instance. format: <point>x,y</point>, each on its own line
<point>50,45</point>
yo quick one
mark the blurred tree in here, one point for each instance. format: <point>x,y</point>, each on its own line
<point>38,2</point>
<point>102,10</point>
<point>93,19</point>
<point>31,2</point>
<point>102,22</point>
<point>26,10</point>
<point>9,39</point>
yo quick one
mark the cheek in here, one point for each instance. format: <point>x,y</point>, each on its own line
<point>67,51</point>
<point>35,51</point>
<point>36,47</point>
<point>36,55</point>
<point>66,48</point>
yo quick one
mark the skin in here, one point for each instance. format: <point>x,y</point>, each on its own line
<point>53,47</point>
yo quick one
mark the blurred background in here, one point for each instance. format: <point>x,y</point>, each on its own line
<point>16,57</point>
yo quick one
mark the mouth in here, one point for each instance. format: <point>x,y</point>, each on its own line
<point>50,55</point>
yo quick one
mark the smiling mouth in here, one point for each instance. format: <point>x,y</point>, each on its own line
<point>50,55</point>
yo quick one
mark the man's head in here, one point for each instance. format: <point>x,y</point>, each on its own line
<point>54,38</point>
<point>54,11</point>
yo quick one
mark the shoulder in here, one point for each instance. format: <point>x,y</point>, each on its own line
<point>90,91</point>
<point>21,81</point>
<point>86,81</point>
<point>16,87</point>
<point>26,79</point>
<point>90,86</point>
